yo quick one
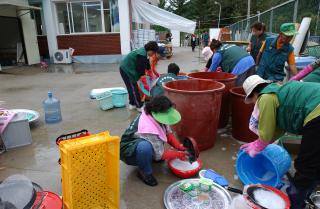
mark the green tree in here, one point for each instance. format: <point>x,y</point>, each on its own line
<point>162,4</point>
<point>177,6</point>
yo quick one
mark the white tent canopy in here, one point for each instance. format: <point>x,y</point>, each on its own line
<point>143,12</point>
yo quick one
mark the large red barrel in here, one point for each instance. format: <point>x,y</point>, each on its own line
<point>199,103</point>
<point>228,80</point>
<point>241,113</point>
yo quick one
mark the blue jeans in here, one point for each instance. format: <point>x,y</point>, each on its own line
<point>142,157</point>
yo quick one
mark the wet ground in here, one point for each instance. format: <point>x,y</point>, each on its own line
<point>26,87</point>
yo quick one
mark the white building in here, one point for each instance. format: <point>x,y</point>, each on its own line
<point>98,30</point>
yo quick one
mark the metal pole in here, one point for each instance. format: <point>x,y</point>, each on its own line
<point>248,19</point>
<point>317,21</point>
<point>199,35</point>
<point>295,10</point>
<point>270,22</point>
<point>248,13</point>
<point>258,16</point>
<point>219,15</point>
<point>219,12</point>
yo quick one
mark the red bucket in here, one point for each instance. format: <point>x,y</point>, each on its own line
<point>47,200</point>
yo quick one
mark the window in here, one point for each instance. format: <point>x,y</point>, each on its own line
<point>87,16</point>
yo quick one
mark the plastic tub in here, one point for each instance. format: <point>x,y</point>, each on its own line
<point>105,100</point>
<point>241,114</point>
<point>266,168</point>
<point>198,102</point>
<point>302,62</point>
<point>187,173</point>
<point>119,97</point>
<point>228,80</point>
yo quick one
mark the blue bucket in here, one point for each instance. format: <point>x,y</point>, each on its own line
<point>266,168</point>
<point>119,97</point>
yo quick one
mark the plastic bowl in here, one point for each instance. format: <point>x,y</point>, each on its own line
<point>188,173</point>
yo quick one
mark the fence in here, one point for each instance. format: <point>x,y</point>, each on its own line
<point>289,11</point>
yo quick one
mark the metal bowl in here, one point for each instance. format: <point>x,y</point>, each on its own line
<point>174,198</point>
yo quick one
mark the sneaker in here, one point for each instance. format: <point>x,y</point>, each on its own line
<point>149,180</point>
<point>139,109</point>
<point>131,107</point>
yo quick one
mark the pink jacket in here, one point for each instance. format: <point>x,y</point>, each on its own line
<point>148,125</point>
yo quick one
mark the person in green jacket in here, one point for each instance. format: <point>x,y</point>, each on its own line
<point>172,75</point>
<point>232,59</point>
<point>314,76</point>
<point>144,140</point>
<point>257,39</point>
<point>295,108</point>
<point>132,67</point>
<point>275,52</point>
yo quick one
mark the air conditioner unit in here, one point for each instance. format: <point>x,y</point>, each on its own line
<point>62,56</point>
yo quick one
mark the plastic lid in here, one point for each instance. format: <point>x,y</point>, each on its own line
<point>50,94</point>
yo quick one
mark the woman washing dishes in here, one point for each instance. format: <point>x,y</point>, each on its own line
<point>144,139</point>
<point>132,67</point>
<point>295,108</point>
<point>232,59</point>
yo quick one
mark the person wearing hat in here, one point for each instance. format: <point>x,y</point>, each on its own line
<point>144,139</point>
<point>133,67</point>
<point>274,52</point>
<point>232,59</point>
<point>295,108</point>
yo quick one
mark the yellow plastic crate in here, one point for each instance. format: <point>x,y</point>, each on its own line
<point>90,170</point>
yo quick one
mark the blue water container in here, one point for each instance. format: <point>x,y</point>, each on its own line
<point>266,168</point>
<point>52,110</point>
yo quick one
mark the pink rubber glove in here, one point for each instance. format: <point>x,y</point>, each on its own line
<point>303,73</point>
<point>255,147</point>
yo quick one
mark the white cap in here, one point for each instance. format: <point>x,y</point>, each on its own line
<point>251,83</point>
<point>207,53</point>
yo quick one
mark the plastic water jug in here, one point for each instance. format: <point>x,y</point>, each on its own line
<point>52,110</point>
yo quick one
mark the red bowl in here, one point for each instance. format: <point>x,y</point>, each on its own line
<point>187,173</point>
<point>282,195</point>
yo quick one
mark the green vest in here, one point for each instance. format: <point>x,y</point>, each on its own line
<point>271,65</point>
<point>129,64</point>
<point>157,90</point>
<point>296,101</point>
<point>128,141</point>
<point>231,55</point>
<point>314,76</point>
<point>256,43</point>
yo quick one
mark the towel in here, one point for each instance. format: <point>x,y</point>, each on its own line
<point>5,117</point>
<point>148,125</point>
<point>254,120</point>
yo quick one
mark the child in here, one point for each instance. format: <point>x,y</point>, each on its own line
<point>173,71</point>
<point>146,136</point>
